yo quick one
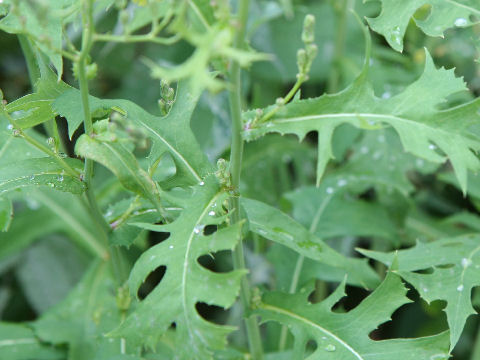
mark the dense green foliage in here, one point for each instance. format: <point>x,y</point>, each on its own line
<point>235,179</point>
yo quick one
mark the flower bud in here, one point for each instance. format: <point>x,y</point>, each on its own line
<point>308,33</point>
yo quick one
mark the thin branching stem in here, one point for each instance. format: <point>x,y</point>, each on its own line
<point>253,332</point>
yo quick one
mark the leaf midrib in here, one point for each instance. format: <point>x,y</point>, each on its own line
<point>312,324</point>
<point>186,261</point>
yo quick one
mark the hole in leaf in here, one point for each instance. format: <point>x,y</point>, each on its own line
<point>155,238</point>
<point>445,266</point>
<point>212,313</point>
<point>210,229</point>
<point>310,347</point>
<point>354,296</point>
<point>152,280</point>
<point>424,271</point>
<point>219,262</point>
<point>417,317</point>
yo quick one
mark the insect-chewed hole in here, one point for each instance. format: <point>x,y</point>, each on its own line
<point>353,298</point>
<point>155,238</point>
<point>152,280</point>
<point>445,266</point>
<point>219,262</point>
<point>210,229</point>
<point>425,271</point>
<point>402,326</point>
<point>212,313</point>
<point>310,347</point>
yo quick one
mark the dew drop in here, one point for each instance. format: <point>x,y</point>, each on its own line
<point>329,190</point>
<point>419,162</point>
<point>341,182</point>
<point>52,185</point>
<point>461,22</point>
<point>396,36</point>
<point>330,348</point>
<point>364,149</point>
<point>152,257</point>
<point>324,338</point>
<point>60,178</point>
<point>201,183</point>
<point>381,138</point>
<point>425,290</point>
<point>170,247</point>
<point>377,155</point>
<point>432,147</point>
<point>386,95</point>
<point>460,288</point>
<point>32,177</point>
<point>211,213</point>
<point>9,127</point>
<point>466,262</point>
<point>197,229</point>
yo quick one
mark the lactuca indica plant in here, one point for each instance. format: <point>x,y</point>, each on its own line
<point>156,202</point>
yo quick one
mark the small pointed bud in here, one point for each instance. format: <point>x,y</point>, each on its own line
<point>301,60</point>
<point>308,33</point>
<point>91,71</point>
<point>280,101</point>
<point>169,94</point>
<point>162,104</point>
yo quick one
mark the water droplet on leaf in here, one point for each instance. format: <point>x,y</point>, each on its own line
<point>329,190</point>
<point>461,22</point>
<point>330,348</point>
<point>460,288</point>
<point>211,213</point>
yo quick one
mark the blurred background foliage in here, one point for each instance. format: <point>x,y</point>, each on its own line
<point>410,200</point>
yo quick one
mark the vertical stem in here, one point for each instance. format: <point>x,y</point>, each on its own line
<point>476,347</point>
<point>340,35</point>
<point>119,263</point>
<point>253,332</point>
<point>34,75</point>
<point>32,66</point>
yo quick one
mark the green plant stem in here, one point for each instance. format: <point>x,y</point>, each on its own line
<point>253,332</point>
<point>119,263</point>
<point>34,75</point>
<point>340,35</point>
<point>32,66</point>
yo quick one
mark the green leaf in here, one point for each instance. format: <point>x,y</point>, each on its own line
<point>455,262</point>
<point>121,162</point>
<point>40,172</point>
<point>329,212</point>
<point>41,19</point>
<point>6,213</point>
<point>18,342</point>
<point>345,336</point>
<point>84,317</point>
<point>36,108</point>
<point>186,283</point>
<point>48,270</point>
<point>277,226</point>
<point>273,157</point>
<point>395,16</point>
<point>413,114</point>
<point>170,134</point>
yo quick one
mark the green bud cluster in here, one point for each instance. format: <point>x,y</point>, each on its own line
<point>223,173</point>
<point>306,55</point>
<point>167,96</point>
<point>90,70</point>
